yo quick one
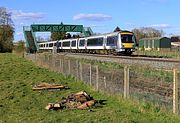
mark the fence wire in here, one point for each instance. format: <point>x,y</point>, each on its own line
<point>154,86</point>
<point>145,83</point>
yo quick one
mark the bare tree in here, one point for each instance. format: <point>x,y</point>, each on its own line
<point>147,32</point>
<point>6,31</point>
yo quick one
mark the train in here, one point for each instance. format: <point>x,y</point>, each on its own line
<point>122,42</point>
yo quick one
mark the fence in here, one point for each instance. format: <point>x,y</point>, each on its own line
<point>143,83</point>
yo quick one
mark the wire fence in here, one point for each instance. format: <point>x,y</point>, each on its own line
<point>157,86</point>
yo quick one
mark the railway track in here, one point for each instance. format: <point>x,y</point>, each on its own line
<point>165,63</point>
<point>133,57</point>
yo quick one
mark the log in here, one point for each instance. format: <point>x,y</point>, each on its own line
<point>44,86</point>
<point>87,104</point>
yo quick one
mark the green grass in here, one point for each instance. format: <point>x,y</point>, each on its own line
<point>163,54</point>
<point>19,104</point>
<point>140,70</point>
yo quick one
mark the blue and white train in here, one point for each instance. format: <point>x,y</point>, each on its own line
<point>123,42</point>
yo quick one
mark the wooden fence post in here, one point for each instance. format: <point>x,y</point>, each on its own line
<point>62,65</point>
<point>35,57</point>
<point>175,92</point>
<point>54,64</point>
<point>77,69</point>
<point>126,82</point>
<point>69,66</point>
<point>80,70</point>
<point>41,61</point>
<point>97,78</point>
<point>90,75</point>
<point>105,84</point>
<point>48,61</point>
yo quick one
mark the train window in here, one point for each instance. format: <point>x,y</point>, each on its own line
<point>59,44</point>
<point>95,42</point>
<point>82,42</point>
<point>51,45</point>
<point>112,40</point>
<point>127,38</point>
<point>73,43</point>
<point>41,45</point>
<point>66,44</point>
<point>47,45</point>
<point>44,45</point>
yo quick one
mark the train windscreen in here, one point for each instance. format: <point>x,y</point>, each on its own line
<point>127,38</point>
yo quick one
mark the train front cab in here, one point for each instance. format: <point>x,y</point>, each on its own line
<point>127,42</point>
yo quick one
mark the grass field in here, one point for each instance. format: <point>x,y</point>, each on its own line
<point>19,104</point>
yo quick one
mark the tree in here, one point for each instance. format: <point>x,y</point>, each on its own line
<point>20,46</point>
<point>68,36</point>
<point>58,35</point>
<point>117,29</point>
<point>6,31</point>
<point>147,32</point>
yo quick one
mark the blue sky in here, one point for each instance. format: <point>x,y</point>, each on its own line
<point>101,15</point>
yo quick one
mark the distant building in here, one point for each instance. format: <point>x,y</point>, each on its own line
<point>157,43</point>
<point>175,39</point>
<point>175,42</point>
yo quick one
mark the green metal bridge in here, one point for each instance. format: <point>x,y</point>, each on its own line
<point>29,32</point>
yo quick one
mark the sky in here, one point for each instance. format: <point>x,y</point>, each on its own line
<point>102,16</point>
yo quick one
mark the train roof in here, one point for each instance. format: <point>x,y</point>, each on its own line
<point>111,33</point>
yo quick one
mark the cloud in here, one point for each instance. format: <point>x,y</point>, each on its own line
<point>92,17</point>
<point>161,26</point>
<point>20,15</point>
<point>19,33</point>
<point>22,18</point>
<point>177,32</point>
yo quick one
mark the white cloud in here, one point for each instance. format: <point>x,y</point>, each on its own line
<point>20,15</point>
<point>161,26</point>
<point>21,18</point>
<point>92,17</point>
<point>177,32</point>
<point>19,33</point>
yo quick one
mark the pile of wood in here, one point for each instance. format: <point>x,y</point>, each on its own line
<point>80,100</point>
<point>46,86</point>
